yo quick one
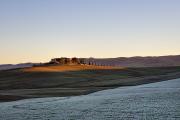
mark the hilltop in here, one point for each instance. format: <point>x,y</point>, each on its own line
<point>138,61</point>
<point>65,68</point>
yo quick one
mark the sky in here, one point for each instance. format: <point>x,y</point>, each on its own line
<point>38,30</point>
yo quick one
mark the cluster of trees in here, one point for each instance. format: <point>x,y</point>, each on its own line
<point>96,63</point>
<point>64,60</point>
<point>74,60</point>
<point>60,61</point>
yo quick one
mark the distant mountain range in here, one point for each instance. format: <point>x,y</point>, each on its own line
<point>11,66</point>
<point>151,61</point>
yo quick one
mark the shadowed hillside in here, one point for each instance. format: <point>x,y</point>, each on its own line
<point>10,66</point>
<point>159,61</point>
<point>64,80</point>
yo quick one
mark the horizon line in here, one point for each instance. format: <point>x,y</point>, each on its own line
<point>93,58</point>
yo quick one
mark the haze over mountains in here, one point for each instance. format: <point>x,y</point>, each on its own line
<point>138,61</point>
<point>11,66</point>
<point>158,61</point>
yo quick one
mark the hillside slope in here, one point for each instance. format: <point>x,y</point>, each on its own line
<point>159,61</point>
<point>155,101</point>
<point>64,68</point>
<point>52,81</point>
<point>11,66</point>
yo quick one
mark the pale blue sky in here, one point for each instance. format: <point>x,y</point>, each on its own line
<point>37,30</point>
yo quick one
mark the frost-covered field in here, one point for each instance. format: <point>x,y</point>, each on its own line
<point>145,102</point>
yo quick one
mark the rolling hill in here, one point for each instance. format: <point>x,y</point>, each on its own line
<point>11,66</point>
<point>157,61</point>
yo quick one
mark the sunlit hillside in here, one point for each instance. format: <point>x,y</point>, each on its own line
<point>63,68</point>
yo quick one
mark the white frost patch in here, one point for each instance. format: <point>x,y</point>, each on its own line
<point>152,101</point>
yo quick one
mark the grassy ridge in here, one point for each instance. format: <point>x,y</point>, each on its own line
<point>28,83</point>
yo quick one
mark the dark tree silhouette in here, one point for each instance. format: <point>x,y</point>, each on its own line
<point>67,61</point>
<point>75,60</point>
<point>82,61</point>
